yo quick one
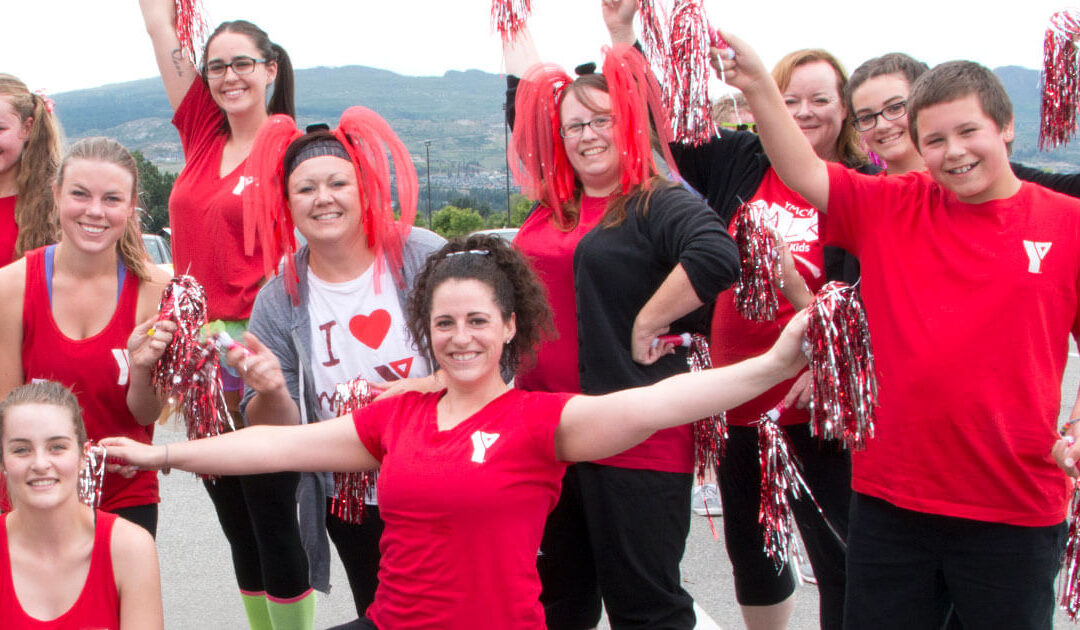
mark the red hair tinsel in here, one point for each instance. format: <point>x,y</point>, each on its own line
<point>537,154</point>
<point>1060,80</point>
<point>688,77</point>
<point>509,17</point>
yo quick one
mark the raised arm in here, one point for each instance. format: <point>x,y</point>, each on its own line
<point>12,282</point>
<point>177,73</point>
<point>619,18</point>
<point>328,445</point>
<point>594,427</point>
<point>788,149</point>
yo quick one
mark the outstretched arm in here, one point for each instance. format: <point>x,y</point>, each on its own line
<point>520,54</point>
<point>177,73</point>
<point>328,445</point>
<point>788,149</point>
<point>594,427</point>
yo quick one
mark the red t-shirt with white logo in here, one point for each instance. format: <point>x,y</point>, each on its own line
<point>9,230</point>
<point>464,509</point>
<point>735,338</point>
<point>207,214</point>
<point>969,308</point>
<point>95,369</point>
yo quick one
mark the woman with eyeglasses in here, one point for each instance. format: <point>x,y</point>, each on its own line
<point>626,255</point>
<point>218,110</point>
<point>728,170</point>
<point>468,473</point>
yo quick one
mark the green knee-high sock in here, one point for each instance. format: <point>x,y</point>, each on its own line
<point>297,613</point>
<point>255,607</point>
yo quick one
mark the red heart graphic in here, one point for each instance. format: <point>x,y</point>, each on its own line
<point>370,330</point>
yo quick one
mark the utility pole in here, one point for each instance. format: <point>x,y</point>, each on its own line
<point>427,160</point>
<point>506,155</point>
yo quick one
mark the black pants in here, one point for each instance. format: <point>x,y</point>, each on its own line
<point>358,548</point>
<point>144,516</point>
<point>258,515</point>
<point>637,522</point>
<point>569,590</point>
<point>906,567</point>
<point>827,470</point>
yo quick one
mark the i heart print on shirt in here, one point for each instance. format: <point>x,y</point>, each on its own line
<point>370,330</point>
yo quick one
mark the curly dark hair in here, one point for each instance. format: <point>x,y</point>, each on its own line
<point>492,261</point>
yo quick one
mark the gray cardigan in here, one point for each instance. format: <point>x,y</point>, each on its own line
<point>286,330</point>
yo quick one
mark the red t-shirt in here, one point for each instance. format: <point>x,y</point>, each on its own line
<point>735,338</point>
<point>9,230</point>
<point>206,212</point>
<point>98,606</point>
<point>464,510</point>
<point>96,370</point>
<point>969,308</point>
<point>551,255</point>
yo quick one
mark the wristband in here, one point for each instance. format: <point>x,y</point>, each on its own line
<point>165,469</point>
<point>1068,425</point>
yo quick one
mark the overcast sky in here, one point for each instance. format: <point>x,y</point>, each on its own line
<point>61,45</point>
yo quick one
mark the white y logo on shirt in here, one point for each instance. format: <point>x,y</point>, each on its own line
<point>1036,252</point>
<point>240,183</point>
<point>481,442</point>
<point>123,360</point>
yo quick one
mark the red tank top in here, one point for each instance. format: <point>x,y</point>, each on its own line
<point>95,368</point>
<point>98,606</point>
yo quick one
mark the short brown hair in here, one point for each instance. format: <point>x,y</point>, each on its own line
<point>848,147</point>
<point>892,63</point>
<point>45,393</point>
<point>952,81</point>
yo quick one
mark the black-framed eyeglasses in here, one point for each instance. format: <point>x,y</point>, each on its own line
<point>576,129</point>
<point>866,122</point>
<point>240,65</point>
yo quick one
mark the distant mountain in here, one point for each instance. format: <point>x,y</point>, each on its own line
<point>459,112</point>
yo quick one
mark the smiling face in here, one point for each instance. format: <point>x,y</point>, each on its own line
<point>324,200</point>
<point>95,200</point>
<point>592,153</point>
<point>888,138</point>
<point>965,150</point>
<point>468,331</point>
<point>239,94</point>
<point>13,133</point>
<point>41,455</point>
<point>815,104</point>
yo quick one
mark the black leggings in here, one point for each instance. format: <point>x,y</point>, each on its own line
<point>258,516</point>
<point>144,516</point>
<point>358,548</point>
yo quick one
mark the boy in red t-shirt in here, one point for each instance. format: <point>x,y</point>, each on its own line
<point>971,281</point>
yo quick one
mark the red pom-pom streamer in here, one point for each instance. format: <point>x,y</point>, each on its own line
<point>760,265</point>
<point>710,434</point>
<point>187,374</point>
<point>351,488</point>
<point>191,28</point>
<point>654,36</point>
<point>843,389</point>
<point>1060,80</point>
<point>1069,578</point>
<point>780,482</point>
<point>92,476</point>
<point>509,17</point>
<point>688,78</point>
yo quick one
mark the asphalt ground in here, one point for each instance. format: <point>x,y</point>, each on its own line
<point>200,591</point>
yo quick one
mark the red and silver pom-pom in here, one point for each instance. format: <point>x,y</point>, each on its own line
<point>509,17</point>
<point>654,36</point>
<point>780,484</point>
<point>688,78</point>
<point>760,265</point>
<point>203,405</point>
<point>710,434</point>
<point>1060,80</point>
<point>843,387</point>
<point>1069,578</point>
<point>92,476</point>
<point>351,488</point>
<point>191,29</point>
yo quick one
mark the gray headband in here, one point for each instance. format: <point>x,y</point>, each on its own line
<point>318,148</point>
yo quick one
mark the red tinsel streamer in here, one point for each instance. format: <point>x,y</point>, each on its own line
<point>1060,80</point>
<point>350,488</point>
<point>92,476</point>
<point>191,28</point>
<point>264,197</point>
<point>509,17</point>
<point>1069,578</point>
<point>759,265</point>
<point>688,77</point>
<point>780,482</point>
<point>843,389</point>
<point>710,434</point>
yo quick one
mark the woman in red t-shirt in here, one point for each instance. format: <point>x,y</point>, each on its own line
<point>64,565</point>
<point>72,312</point>
<point>468,474</point>
<point>218,109</point>
<point>29,135</point>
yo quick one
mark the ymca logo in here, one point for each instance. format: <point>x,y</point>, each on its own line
<point>241,183</point>
<point>1036,252</point>
<point>123,361</point>
<point>481,442</point>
